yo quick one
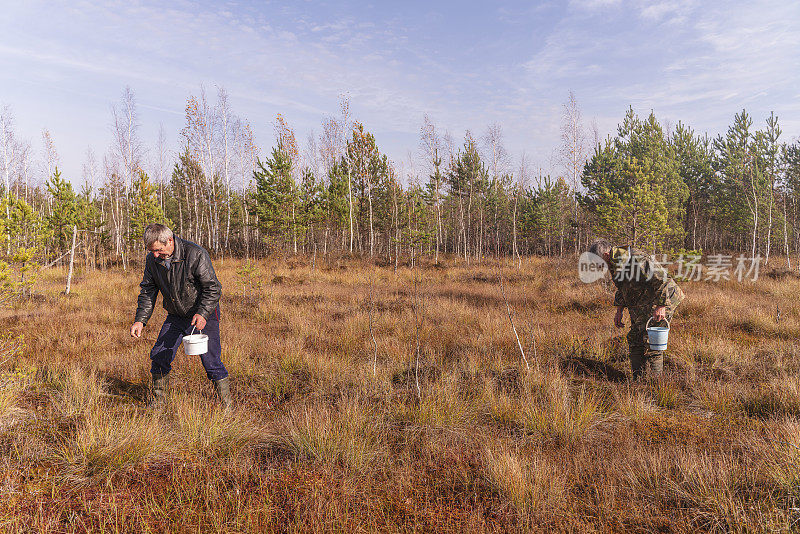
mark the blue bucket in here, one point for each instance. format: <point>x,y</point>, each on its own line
<point>657,336</point>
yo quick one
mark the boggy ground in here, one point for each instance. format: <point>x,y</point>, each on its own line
<point>342,424</point>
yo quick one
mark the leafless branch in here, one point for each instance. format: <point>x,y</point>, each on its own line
<point>371,310</point>
<point>510,315</point>
<point>418,317</point>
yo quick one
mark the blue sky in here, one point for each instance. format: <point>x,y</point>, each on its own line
<point>466,64</point>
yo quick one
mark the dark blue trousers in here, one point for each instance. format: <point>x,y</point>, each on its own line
<point>170,338</point>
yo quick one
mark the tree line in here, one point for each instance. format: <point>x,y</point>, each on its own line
<point>649,185</point>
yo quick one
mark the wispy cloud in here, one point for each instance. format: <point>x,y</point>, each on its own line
<point>594,4</point>
<point>698,63</point>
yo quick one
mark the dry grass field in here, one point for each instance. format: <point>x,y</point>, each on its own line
<point>369,400</point>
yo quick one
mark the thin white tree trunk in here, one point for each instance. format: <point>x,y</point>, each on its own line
<point>350,206</point>
<point>786,236</point>
<point>371,229</point>
<point>71,259</point>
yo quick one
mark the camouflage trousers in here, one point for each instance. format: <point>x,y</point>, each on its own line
<point>643,359</point>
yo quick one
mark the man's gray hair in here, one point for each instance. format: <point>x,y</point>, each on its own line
<point>156,232</point>
<point>600,247</point>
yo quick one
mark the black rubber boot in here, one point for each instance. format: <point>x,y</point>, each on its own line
<point>160,386</point>
<point>223,388</point>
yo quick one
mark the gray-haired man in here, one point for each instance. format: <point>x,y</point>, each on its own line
<point>182,272</point>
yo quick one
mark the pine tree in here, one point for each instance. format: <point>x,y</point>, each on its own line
<point>415,232</point>
<point>546,213</point>
<point>634,187</point>
<point>145,208</point>
<point>767,146</point>
<point>64,214</point>
<point>29,235</point>
<point>790,162</point>
<point>335,202</point>
<point>310,211</point>
<point>92,227</point>
<point>742,177</point>
<point>694,157</point>
<point>22,225</point>
<point>467,179</point>
<point>274,199</point>
<point>638,213</point>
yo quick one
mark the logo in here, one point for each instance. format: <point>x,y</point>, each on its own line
<point>591,268</point>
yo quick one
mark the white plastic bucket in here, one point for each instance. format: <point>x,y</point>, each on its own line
<point>195,344</point>
<point>657,336</point>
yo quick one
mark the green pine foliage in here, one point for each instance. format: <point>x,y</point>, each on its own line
<point>695,166</point>
<point>546,213</point>
<point>23,234</point>
<point>274,200</point>
<point>23,227</point>
<point>311,204</point>
<point>335,199</point>
<point>634,187</point>
<point>64,212</point>
<point>416,232</point>
<point>145,206</point>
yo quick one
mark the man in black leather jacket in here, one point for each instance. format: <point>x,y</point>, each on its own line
<point>182,272</point>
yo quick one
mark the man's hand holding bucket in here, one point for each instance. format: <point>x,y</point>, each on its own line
<point>198,321</point>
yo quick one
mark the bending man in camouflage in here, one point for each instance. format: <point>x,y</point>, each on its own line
<point>647,290</point>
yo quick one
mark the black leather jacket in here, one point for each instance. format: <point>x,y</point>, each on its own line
<point>188,287</point>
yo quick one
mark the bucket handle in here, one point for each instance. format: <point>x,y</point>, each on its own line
<point>193,328</point>
<point>651,318</point>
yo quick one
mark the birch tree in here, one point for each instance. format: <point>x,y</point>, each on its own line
<point>246,155</point>
<point>345,126</point>
<point>287,144</point>
<point>89,169</point>
<point>7,145</point>
<point>50,154</point>
<point>127,146</point>
<point>497,157</point>
<point>523,173</point>
<point>161,164</point>
<point>127,151</point>
<point>768,147</point>
<point>201,133</point>
<point>226,121</point>
<point>332,143</point>
<point>431,146</point>
<point>572,153</point>
<point>24,168</point>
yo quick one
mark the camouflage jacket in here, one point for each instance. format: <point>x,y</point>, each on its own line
<point>641,281</point>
